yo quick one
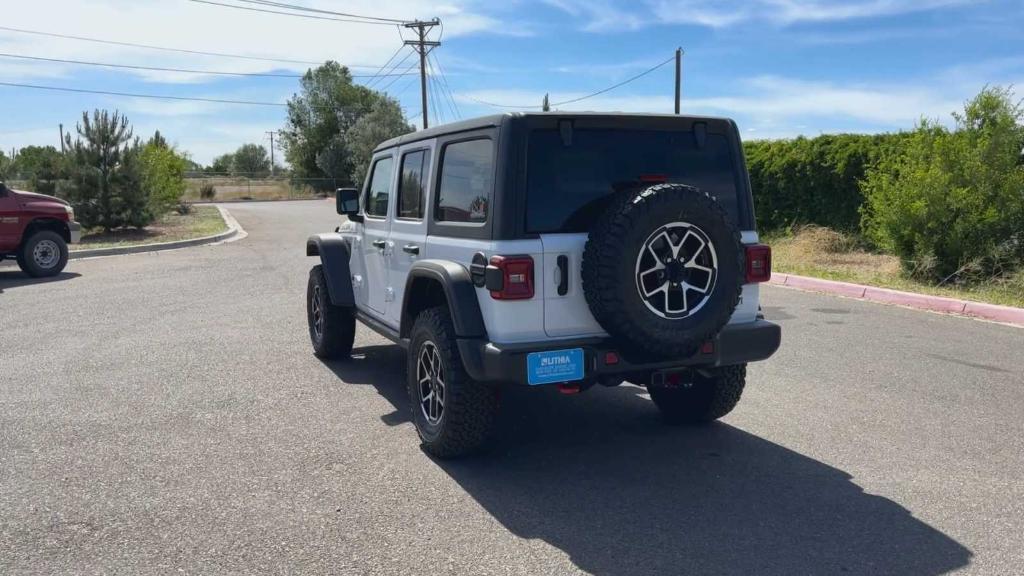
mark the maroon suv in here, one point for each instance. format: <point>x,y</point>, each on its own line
<point>35,229</point>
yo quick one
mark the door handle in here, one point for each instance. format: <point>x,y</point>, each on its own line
<point>563,275</point>
<point>411,249</point>
<point>379,244</point>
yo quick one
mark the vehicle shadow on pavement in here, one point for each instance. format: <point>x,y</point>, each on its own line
<point>16,278</point>
<point>383,367</point>
<point>601,478</point>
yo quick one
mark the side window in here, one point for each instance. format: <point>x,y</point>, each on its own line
<point>380,184</point>
<point>467,177</point>
<point>413,184</point>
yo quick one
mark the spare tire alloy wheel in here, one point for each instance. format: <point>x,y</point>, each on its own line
<point>663,270</point>
<point>676,270</point>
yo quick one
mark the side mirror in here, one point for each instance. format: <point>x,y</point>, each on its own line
<point>347,200</point>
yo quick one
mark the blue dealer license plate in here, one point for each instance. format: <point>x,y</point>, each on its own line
<point>554,366</point>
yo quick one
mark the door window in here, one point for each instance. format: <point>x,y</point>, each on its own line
<point>380,185</point>
<point>412,185</point>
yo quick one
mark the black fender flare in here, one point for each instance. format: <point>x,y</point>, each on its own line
<point>459,292</point>
<point>334,252</point>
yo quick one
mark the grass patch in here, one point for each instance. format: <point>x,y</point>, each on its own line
<point>824,253</point>
<point>201,221</point>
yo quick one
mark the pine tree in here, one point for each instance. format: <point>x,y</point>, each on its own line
<point>105,186</point>
<point>546,104</point>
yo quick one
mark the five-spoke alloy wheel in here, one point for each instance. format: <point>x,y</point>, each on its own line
<point>676,270</point>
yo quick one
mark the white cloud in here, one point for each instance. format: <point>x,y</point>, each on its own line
<point>606,15</point>
<point>210,28</point>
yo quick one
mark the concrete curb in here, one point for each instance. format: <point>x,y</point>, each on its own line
<point>233,231</point>
<point>993,312</point>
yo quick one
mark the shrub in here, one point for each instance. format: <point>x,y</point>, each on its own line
<point>951,203</point>
<point>813,180</point>
<point>184,208</point>
<point>163,175</point>
<point>207,191</point>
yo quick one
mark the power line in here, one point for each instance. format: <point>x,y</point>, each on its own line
<point>132,95</point>
<point>395,67</point>
<point>310,16</point>
<point>179,50</point>
<point>379,71</point>
<point>152,68</point>
<point>159,69</point>
<point>319,11</point>
<point>447,87</point>
<point>407,72</point>
<point>591,95</point>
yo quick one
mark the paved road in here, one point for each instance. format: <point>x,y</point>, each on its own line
<point>163,413</point>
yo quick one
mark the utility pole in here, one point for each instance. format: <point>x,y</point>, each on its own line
<point>679,73</point>
<point>61,138</point>
<point>271,133</point>
<point>423,46</point>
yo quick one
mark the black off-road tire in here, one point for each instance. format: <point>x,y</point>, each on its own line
<point>27,261</point>
<point>610,261</point>
<point>470,408</point>
<point>707,399</point>
<point>337,330</point>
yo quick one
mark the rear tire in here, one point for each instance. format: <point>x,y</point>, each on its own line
<point>332,329</point>
<point>43,254</point>
<point>707,399</point>
<point>464,418</point>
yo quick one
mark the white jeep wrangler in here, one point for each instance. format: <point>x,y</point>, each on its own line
<point>550,249</point>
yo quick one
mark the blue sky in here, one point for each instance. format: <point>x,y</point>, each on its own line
<point>779,67</point>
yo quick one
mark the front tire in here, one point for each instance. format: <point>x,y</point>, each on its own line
<point>43,254</point>
<point>332,329</point>
<point>454,415</point>
<point>706,399</point>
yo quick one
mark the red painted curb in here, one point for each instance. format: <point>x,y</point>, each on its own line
<point>1005,314</point>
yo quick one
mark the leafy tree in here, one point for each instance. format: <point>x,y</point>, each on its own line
<point>319,117</point>
<point>384,121</point>
<point>5,165</point>
<point>41,166</point>
<point>105,184</point>
<point>251,160</point>
<point>222,164</point>
<point>951,203</point>
<point>163,175</point>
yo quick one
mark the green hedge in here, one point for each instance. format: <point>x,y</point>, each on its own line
<point>813,180</point>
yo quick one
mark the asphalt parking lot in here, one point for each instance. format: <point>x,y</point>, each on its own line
<point>163,412</point>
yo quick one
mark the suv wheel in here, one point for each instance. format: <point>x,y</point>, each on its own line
<point>705,399</point>
<point>453,414</point>
<point>332,329</point>
<point>44,254</point>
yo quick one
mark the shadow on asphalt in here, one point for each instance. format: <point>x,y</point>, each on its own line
<point>599,477</point>
<point>15,278</point>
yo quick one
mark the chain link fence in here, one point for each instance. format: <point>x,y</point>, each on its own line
<point>257,187</point>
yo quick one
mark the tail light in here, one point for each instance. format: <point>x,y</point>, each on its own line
<point>759,263</point>
<point>510,277</point>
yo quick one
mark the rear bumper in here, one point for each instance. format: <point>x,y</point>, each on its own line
<point>735,344</point>
<point>74,232</point>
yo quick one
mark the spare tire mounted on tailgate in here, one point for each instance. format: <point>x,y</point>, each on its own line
<point>663,269</point>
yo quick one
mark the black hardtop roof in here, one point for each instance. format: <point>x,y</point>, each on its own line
<point>497,119</point>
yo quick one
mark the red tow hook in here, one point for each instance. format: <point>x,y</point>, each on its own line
<point>565,388</point>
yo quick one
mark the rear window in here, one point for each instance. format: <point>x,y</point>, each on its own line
<point>568,186</point>
<point>467,171</point>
